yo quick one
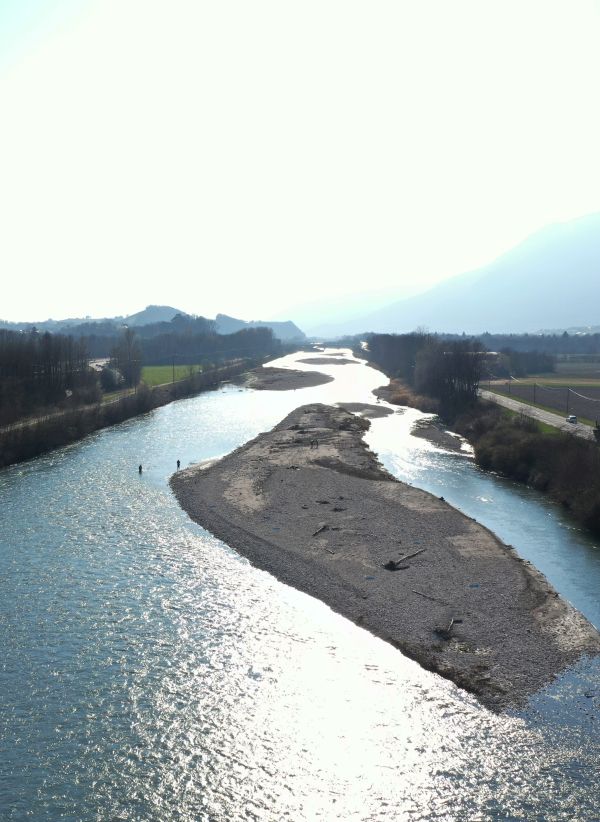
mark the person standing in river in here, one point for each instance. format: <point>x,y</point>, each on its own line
<point>140,469</point>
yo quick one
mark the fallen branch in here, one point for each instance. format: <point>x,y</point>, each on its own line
<point>410,556</point>
<point>396,564</point>
<point>322,528</point>
<point>433,599</point>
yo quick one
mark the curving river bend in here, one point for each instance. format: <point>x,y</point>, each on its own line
<point>150,673</point>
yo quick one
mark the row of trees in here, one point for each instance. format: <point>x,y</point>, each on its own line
<point>39,370</point>
<point>511,363</point>
<point>195,348</point>
<point>449,371</point>
<point>554,344</point>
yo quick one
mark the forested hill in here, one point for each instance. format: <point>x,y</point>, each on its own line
<point>155,320</point>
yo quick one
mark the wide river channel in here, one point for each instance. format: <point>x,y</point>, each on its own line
<point>148,672</point>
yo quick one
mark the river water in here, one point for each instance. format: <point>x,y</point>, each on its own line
<point>150,673</point>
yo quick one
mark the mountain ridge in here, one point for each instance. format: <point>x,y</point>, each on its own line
<point>550,280</point>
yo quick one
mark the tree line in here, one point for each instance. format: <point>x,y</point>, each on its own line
<point>39,372</point>
<point>447,370</point>
<point>57,429</point>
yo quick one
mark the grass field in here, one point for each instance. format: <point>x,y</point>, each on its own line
<point>158,374</point>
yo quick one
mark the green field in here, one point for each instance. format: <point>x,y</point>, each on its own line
<point>159,374</point>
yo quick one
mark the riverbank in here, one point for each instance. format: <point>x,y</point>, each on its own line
<point>309,503</point>
<point>28,440</point>
<point>557,463</point>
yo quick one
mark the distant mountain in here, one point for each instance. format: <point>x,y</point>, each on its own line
<point>153,314</point>
<point>286,331</point>
<point>551,280</point>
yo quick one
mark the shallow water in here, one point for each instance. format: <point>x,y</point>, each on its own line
<point>150,673</point>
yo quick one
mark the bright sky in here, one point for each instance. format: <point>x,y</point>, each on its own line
<point>236,156</point>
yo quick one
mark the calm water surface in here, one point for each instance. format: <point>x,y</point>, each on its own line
<point>150,673</point>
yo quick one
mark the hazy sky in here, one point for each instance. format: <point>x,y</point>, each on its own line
<point>240,156</point>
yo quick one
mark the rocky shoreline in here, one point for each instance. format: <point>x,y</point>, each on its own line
<point>309,503</point>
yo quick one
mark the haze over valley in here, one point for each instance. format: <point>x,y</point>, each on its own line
<point>548,282</point>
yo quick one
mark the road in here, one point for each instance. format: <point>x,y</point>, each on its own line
<point>586,432</point>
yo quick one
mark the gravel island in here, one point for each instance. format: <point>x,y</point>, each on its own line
<point>267,378</point>
<point>309,502</point>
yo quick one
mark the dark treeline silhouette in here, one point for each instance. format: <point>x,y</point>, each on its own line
<point>44,372</point>
<point>193,348</point>
<point>126,357</point>
<point>450,372</point>
<point>101,337</point>
<point>554,344</point>
<point>447,370</point>
<point>40,370</point>
<point>398,355</point>
<point>513,363</point>
<point>192,339</point>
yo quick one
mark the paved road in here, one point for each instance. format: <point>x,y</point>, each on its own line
<point>558,421</point>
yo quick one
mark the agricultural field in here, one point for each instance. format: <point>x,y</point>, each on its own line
<point>159,374</point>
<point>580,369</point>
<point>572,390</point>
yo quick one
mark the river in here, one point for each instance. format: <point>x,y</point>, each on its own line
<point>150,673</point>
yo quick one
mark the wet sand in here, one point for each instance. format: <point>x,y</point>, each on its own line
<point>433,431</point>
<point>328,518</point>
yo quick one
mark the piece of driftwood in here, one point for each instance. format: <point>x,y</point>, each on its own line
<point>396,564</point>
<point>322,528</point>
<point>410,556</point>
<point>433,599</point>
<point>393,566</point>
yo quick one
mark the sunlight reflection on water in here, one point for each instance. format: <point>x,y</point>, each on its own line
<point>151,673</point>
